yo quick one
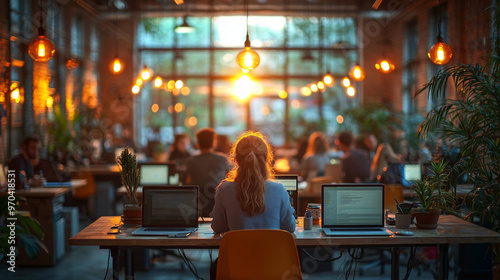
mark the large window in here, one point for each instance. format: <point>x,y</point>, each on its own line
<point>410,64</point>
<point>294,52</point>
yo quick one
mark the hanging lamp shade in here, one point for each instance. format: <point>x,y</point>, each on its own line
<point>357,73</point>
<point>41,49</point>
<point>440,53</point>
<point>184,27</point>
<point>384,65</point>
<point>248,59</point>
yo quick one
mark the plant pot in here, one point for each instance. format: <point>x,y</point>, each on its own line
<point>428,219</point>
<point>132,214</point>
<point>403,220</point>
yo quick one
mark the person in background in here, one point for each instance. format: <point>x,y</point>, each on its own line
<point>207,169</point>
<point>367,143</point>
<point>180,154</point>
<point>223,144</point>
<point>248,198</point>
<point>316,157</point>
<point>383,158</point>
<point>355,164</point>
<point>24,163</point>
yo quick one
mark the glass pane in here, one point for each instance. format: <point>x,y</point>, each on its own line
<point>268,117</point>
<point>339,62</point>
<point>267,87</point>
<point>194,96</point>
<point>303,32</point>
<point>160,62</point>
<point>200,37</point>
<point>225,63</point>
<point>192,62</point>
<point>230,31</point>
<point>299,63</point>
<point>156,32</point>
<point>230,116</point>
<point>271,62</point>
<point>267,31</point>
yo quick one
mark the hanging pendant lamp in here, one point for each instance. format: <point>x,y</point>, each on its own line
<point>41,49</point>
<point>248,59</point>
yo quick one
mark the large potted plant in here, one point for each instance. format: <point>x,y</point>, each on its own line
<point>432,197</point>
<point>130,173</point>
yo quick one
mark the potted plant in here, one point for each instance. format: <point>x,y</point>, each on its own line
<point>130,173</point>
<point>404,215</point>
<point>431,196</point>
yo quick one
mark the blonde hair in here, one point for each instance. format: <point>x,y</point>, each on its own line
<point>317,144</point>
<point>252,160</point>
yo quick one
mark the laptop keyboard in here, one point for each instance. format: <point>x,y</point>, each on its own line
<point>166,229</point>
<point>356,229</point>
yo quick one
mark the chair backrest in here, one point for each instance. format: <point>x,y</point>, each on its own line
<point>258,254</point>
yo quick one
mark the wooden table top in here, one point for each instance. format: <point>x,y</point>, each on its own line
<point>105,169</point>
<point>450,230</point>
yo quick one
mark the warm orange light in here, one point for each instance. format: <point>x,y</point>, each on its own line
<point>138,82</point>
<point>295,104</point>
<point>305,91</point>
<point>158,82</point>
<point>314,87</point>
<point>171,84</point>
<point>14,94</point>
<point>264,110</point>
<point>41,49</point>
<point>328,79</point>
<point>50,102</point>
<point>136,89</point>
<point>340,119</point>
<point>185,91</point>
<point>282,165</point>
<point>146,73</point>
<point>170,109</point>
<point>357,73</point>
<point>116,66</point>
<point>243,87</point>
<point>321,85</point>
<point>351,91</point>
<point>346,82</point>
<point>179,84</point>
<point>384,66</point>
<point>440,53</point>
<point>282,94</point>
<point>192,121</point>
<point>155,108</point>
<point>179,107</point>
<point>248,59</point>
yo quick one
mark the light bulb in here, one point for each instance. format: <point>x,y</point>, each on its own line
<point>346,82</point>
<point>158,82</point>
<point>357,73</point>
<point>328,79</point>
<point>248,59</point>
<point>41,49</point>
<point>384,66</point>
<point>440,53</point>
<point>351,91</point>
<point>116,66</point>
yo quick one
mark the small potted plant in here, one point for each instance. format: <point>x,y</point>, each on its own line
<point>404,215</point>
<point>429,192</point>
<point>130,173</point>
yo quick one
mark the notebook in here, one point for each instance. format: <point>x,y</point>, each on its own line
<point>154,174</point>
<point>411,173</point>
<point>353,210</point>
<point>170,211</point>
<point>291,183</point>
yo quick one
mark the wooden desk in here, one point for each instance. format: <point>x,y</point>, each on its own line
<point>450,230</point>
<point>97,170</point>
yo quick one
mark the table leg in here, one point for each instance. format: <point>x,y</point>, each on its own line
<point>129,264</point>
<point>115,255</point>
<point>444,265</point>
<point>395,263</point>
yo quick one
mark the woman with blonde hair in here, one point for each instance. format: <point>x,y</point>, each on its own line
<point>316,157</point>
<point>249,198</point>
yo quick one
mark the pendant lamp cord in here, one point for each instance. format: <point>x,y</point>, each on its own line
<point>41,30</point>
<point>440,18</point>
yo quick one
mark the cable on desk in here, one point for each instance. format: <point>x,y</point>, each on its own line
<point>107,266</point>
<point>321,260</point>
<point>409,265</point>
<point>210,255</point>
<point>189,264</point>
<point>356,255</point>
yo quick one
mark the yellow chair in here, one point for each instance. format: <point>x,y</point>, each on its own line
<point>258,254</point>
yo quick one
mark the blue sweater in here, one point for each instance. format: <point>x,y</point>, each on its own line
<point>227,214</point>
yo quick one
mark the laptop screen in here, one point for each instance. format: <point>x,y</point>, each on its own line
<point>352,205</point>
<point>154,174</point>
<point>412,172</point>
<point>290,182</point>
<point>170,206</point>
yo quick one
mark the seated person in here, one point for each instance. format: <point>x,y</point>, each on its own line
<point>316,157</point>
<point>367,143</point>
<point>384,156</point>
<point>180,154</point>
<point>23,163</point>
<point>207,169</point>
<point>355,164</point>
<point>248,198</point>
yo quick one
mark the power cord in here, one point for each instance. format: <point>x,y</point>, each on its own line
<point>107,266</point>
<point>409,265</point>
<point>321,260</point>
<point>189,264</point>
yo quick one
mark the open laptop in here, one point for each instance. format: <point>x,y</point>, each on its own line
<point>170,211</point>
<point>411,173</point>
<point>353,210</point>
<point>154,174</point>
<point>291,183</point>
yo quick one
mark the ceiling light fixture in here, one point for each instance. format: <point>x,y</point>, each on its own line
<point>41,49</point>
<point>184,27</point>
<point>440,53</point>
<point>247,58</point>
<point>357,73</point>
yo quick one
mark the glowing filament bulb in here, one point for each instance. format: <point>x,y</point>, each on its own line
<point>41,50</point>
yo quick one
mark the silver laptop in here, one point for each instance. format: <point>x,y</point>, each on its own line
<point>170,211</point>
<point>353,210</point>
<point>291,184</point>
